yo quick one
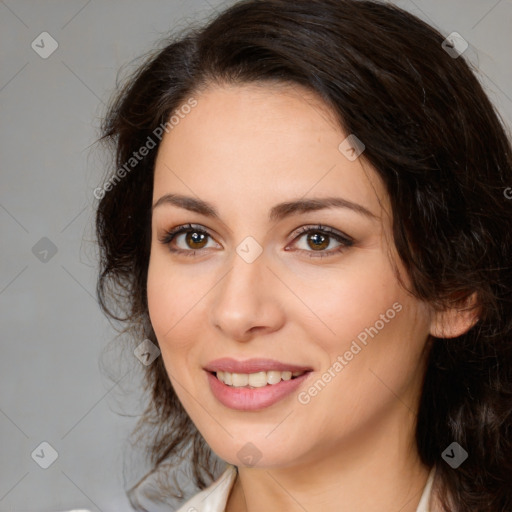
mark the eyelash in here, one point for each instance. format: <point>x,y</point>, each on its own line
<point>343,239</point>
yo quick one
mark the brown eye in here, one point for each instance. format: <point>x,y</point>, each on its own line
<point>196,239</point>
<point>317,241</point>
<point>190,237</point>
<point>319,238</point>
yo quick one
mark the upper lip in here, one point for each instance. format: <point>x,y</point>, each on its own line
<point>227,364</point>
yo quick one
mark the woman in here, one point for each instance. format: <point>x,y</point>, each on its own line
<point>308,217</point>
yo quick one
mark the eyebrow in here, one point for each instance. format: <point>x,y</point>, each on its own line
<point>277,212</point>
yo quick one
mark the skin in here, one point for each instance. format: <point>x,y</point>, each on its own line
<point>245,148</point>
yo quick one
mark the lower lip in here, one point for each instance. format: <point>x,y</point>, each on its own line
<point>253,399</point>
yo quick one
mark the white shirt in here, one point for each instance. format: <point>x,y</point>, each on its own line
<point>214,498</point>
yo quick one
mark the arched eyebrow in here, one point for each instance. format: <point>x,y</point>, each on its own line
<point>277,212</point>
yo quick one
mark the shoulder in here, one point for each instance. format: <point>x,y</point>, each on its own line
<point>215,496</point>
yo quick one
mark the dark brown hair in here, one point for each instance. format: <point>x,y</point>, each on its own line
<point>443,153</point>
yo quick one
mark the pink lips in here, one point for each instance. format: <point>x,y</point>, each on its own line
<point>226,364</point>
<point>252,399</point>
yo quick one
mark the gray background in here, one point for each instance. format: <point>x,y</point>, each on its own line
<point>52,388</point>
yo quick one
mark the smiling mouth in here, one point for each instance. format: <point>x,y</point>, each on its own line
<point>256,380</point>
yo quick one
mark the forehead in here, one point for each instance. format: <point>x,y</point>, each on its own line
<point>255,142</point>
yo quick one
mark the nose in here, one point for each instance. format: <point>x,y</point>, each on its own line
<point>246,301</point>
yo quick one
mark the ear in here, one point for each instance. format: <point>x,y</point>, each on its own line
<point>457,320</point>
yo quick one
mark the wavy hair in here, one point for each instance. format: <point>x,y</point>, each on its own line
<point>445,157</point>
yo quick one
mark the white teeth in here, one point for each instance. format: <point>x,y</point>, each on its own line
<point>255,380</point>
<point>274,377</point>
<point>240,379</point>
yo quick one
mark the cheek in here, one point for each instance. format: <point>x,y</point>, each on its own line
<point>377,328</point>
<point>354,299</point>
<point>168,301</point>
<point>167,311</point>
<point>375,360</point>
<point>176,305</point>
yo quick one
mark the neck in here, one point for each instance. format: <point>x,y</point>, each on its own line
<point>377,469</point>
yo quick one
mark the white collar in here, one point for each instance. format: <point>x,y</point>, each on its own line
<point>425,504</point>
<point>214,498</point>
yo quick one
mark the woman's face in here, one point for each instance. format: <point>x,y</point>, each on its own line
<point>311,286</point>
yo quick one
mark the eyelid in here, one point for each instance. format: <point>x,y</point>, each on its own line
<point>344,240</point>
<point>324,229</point>
<point>169,235</point>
